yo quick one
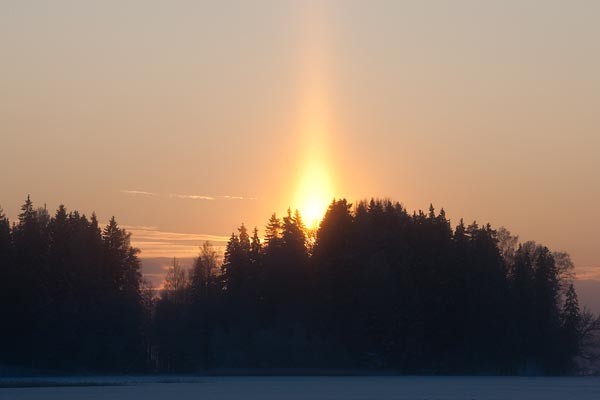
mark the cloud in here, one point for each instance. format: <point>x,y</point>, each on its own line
<point>139,227</point>
<point>154,269</point>
<point>587,273</point>
<point>188,196</point>
<point>156,243</point>
<point>588,291</point>
<point>207,197</point>
<point>139,192</point>
<point>191,196</point>
<point>238,197</point>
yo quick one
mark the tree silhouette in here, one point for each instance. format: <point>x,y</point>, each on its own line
<point>376,288</point>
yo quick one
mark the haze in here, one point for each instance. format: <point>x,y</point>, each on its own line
<point>188,118</point>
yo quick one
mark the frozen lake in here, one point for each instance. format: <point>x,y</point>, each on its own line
<point>282,388</point>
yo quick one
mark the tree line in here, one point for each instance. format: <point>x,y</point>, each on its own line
<point>71,294</point>
<point>375,287</point>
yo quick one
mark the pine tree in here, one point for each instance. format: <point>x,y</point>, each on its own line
<point>255,248</point>
<point>571,323</point>
<point>293,233</point>
<point>5,241</point>
<point>94,245</point>
<point>231,273</point>
<point>121,262</point>
<point>59,240</point>
<point>460,232</point>
<point>8,290</point>
<point>244,240</point>
<point>431,214</point>
<point>28,214</point>
<point>273,231</point>
<point>123,313</point>
<point>571,311</point>
<point>28,239</point>
<point>334,234</point>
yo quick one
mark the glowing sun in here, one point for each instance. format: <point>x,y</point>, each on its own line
<point>314,194</point>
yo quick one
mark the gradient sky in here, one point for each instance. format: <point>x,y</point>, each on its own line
<point>187,117</point>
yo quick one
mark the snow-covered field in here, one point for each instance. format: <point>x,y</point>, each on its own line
<point>282,388</point>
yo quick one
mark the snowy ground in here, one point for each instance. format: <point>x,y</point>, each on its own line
<point>282,388</point>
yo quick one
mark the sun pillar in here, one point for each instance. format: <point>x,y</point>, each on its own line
<point>315,184</point>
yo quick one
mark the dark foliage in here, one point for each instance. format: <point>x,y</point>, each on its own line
<point>375,287</point>
<point>380,288</point>
<point>70,294</point>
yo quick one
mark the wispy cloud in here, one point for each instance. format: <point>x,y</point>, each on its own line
<point>139,192</point>
<point>191,196</point>
<point>588,273</point>
<point>238,198</point>
<point>188,196</point>
<point>155,269</point>
<point>157,243</point>
<point>209,197</point>
<point>139,227</point>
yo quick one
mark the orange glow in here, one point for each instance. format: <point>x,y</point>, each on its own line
<point>315,183</point>
<point>314,194</point>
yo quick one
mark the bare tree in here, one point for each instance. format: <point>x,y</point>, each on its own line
<point>175,283</point>
<point>203,273</point>
<point>565,268</point>
<point>589,339</point>
<point>507,244</point>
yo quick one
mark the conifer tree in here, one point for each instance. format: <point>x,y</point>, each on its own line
<point>5,241</point>
<point>255,248</point>
<point>231,266</point>
<point>273,231</point>
<point>121,262</point>
<point>244,240</point>
<point>571,318</point>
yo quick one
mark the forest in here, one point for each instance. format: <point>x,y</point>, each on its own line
<point>373,288</point>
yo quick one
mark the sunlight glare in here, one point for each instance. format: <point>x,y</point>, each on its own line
<point>315,185</point>
<point>314,195</point>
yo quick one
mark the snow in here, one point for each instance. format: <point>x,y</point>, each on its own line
<point>282,388</point>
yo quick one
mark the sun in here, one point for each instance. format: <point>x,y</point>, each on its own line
<point>314,194</point>
<point>315,123</point>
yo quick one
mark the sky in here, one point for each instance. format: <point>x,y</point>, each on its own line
<point>185,118</point>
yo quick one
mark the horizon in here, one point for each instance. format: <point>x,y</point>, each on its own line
<point>488,112</point>
<point>154,243</point>
<point>164,247</point>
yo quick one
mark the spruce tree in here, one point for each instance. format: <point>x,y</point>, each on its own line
<point>5,241</point>
<point>273,231</point>
<point>571,324</point>
<point>255,248</point>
